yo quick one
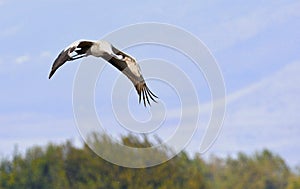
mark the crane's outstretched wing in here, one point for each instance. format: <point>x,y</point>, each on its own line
<point>128,66</point>
<point>74,51</point>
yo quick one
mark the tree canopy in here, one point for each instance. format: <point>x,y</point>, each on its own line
<point>66,166</point>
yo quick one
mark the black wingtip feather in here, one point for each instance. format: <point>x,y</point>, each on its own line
<point>139,93</point>
<point>145,93</point>
<point>51,74</point>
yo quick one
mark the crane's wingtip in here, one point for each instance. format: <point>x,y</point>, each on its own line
<point>145,94</point>
<point>51,74</point>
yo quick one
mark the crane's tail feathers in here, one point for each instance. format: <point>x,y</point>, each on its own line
<point>144,91</point>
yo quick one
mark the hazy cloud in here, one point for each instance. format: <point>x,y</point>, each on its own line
<point>12,30</point>
<point>45,54</point>
<point>22,59</point>
<point>265,117</point>
<point>249,25</point>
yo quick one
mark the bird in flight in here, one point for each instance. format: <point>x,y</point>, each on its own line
<point>122,61</point>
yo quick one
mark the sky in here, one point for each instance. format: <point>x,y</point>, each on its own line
<point>256,45</point>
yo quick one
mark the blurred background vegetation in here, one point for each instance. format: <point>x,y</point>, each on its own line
<point>66,166</point>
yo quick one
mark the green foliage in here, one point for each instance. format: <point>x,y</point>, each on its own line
<point>294,180</point>
<point>263,170</point>
<point>65,166</point>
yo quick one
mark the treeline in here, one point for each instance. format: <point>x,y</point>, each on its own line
<point>65,166</point>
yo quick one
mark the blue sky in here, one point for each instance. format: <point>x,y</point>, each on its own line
<point>256,44</point>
